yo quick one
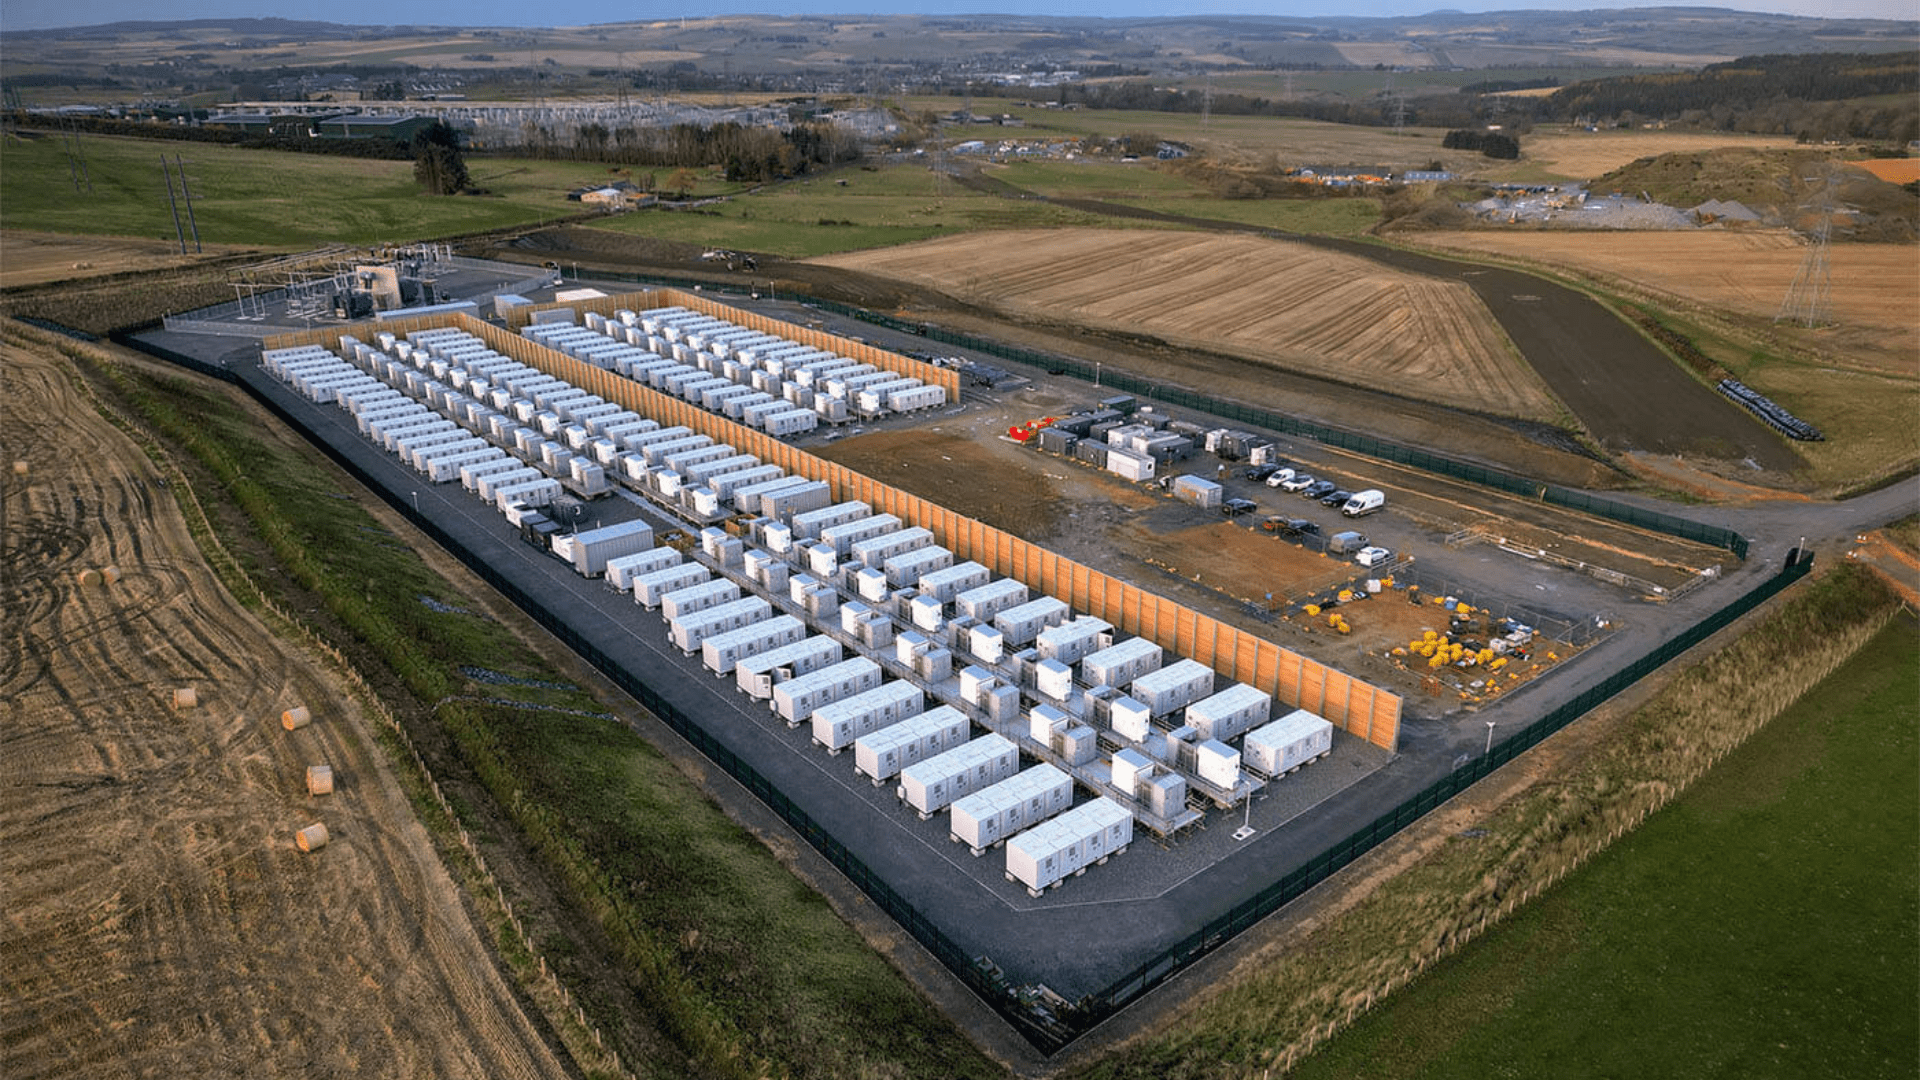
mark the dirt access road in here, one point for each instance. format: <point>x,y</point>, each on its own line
<point>159,920</point>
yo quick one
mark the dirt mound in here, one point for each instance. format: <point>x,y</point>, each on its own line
<point>1777,184</point>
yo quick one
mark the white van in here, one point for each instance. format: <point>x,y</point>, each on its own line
<point>1363,503</point>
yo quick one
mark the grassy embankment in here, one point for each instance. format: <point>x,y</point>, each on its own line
<point>1867,417</point>
<point>1775,905</point>
<point>731,966</point>
<point>1761,926</point>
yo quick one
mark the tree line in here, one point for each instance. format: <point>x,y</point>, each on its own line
<point>746,153</point>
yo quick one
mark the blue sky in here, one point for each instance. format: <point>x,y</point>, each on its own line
<point>38,14</point>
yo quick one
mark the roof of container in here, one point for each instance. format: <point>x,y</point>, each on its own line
<point>1296,724</point>
<point>1174,673</point>
<point>1237,696</point>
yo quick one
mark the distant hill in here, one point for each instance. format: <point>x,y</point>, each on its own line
<point>275,29</point>
<point>1744,82</point>
<point>1668,37</point>
<point>1814,96</point>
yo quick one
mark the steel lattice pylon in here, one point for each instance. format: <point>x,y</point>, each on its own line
<point>1809,299</point>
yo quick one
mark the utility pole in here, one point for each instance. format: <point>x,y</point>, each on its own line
<point>172,205</point>
<point>187,197</point>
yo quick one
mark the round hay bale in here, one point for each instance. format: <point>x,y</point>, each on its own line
<point>319,779</point>
<point>88,577</point>
<point>312,838</point>
<point>110,575</point>
<point>185,698</point>
<point>19,468</point>
<point>296,718</point>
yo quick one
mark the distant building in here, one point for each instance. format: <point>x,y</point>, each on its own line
<point>971,146</point>
<point>400,129</point>
<point>262,124</point>
<point>1425,176</point>
<point>620,196</point>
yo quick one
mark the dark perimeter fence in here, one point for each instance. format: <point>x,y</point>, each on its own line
<point>1043,1021</point>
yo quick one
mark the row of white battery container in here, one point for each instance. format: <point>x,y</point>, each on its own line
<point>674,463</point>
<point>1087,835</point>
<point>671,349</point>
<point>711,390</point>
<point>426,378</point>
<point>419,434</point>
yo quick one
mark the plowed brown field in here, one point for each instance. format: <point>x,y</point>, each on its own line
<point>159,920</point>
<point>1875,287</point>
<point>1282,304</point>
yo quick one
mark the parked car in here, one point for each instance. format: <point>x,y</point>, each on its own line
<point>1373,556</point>
<point>1279,477</point>
<point>1286,526</point>
<point>1336,497</point>
<point>1299,481</point>
<point>1236,507</point>
<point>1318,489</point>
<point>1261,472</point>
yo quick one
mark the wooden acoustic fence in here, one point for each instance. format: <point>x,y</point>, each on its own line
<point>1360,708</point>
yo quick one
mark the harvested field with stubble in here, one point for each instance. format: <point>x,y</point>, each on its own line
<point>1578,154</point>
<point>1279,304</point>
<point>1875,292</point>
<point>159,919</point>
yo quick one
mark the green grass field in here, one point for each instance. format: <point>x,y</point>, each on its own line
<point>1763,925</point>
<point>1364,83</point>
<point>1292,141</point>
<point>737,961</point>
<point>268,198</point>
<point>894,204</point>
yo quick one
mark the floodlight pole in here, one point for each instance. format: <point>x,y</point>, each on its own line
<point>1489,749</point>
